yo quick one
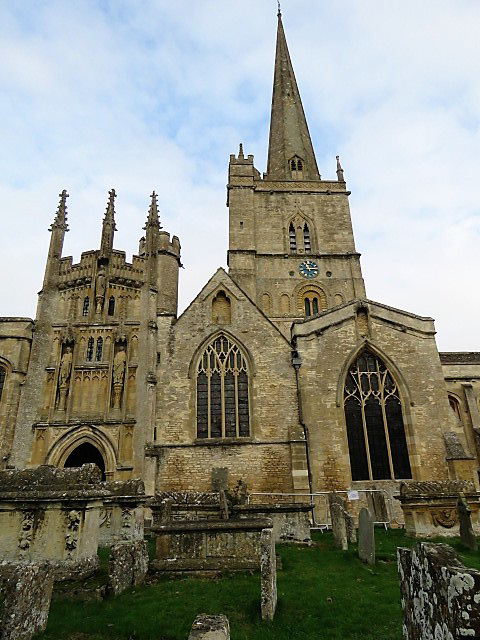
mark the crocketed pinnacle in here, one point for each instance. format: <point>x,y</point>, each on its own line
<point>340,175</point>
<point>108,226</point>
<point>153,219</point>
<point>60,221</point>
<point>289,135</point>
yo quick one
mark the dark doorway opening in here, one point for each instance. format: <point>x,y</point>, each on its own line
<point>86,453</point>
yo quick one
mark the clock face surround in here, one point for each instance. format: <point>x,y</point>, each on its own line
<point>308,269</point>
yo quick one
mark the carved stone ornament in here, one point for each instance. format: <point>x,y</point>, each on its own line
<point>106,518</point>
<point>446,518</point>
<point>436,488</point>
<point>73,524</point>
<point>25,539</point>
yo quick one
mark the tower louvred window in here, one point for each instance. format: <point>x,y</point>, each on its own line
<point>86,306</point>
<point>306,239</point>
<point>99,351</point>
<point>375,430</point>
<point>222,391</point>
<point>292,237</point>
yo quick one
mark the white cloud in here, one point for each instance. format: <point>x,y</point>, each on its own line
<point>157,95</point>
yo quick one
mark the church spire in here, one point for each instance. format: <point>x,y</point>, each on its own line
<point>108,226</point>
<point>153,219</point>
<point>289,135</point>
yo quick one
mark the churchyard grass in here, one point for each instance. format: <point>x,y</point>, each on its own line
<point>323,594</point>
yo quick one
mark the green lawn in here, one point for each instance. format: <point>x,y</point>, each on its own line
<point>322,593</point>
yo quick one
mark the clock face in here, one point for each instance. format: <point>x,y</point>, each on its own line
<point>308,269</point>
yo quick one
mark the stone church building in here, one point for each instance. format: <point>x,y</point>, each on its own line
<point>281,370</point>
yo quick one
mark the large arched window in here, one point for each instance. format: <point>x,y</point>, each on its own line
<point>3,374</point>
<point>222,391</point>
<point>375,430</point>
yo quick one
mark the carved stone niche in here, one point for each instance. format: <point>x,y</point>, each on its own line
<point>429,508</point>
<point>118,373</point>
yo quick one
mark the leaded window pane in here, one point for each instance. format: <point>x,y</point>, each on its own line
<point>89,354</point>
<point>373,412</point>
<point>222,391</point>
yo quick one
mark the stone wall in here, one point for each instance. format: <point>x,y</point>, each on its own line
<point>440,597</point>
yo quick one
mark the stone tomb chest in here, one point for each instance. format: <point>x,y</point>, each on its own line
<point>430,508</point>
<point>50,514</point>
<point>122,515</point>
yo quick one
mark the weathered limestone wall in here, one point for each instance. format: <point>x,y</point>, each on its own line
<point>15,344</point>
<point>440,597</point>
<point>328,344</point>
<point>264,459</point>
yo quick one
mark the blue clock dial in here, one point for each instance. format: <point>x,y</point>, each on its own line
<point>308,269</point>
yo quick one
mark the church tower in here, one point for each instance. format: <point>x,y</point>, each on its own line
<point>291,245</point>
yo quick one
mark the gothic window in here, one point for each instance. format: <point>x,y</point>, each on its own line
<point>292,237</point>
<point>3,373</point>
<point>86,305</point>
<point>375,430</point>
<point>99,351</point>
<point>89,354</point>
<point>111,306</point>
<point>306,239</point>
<point>222,391</point>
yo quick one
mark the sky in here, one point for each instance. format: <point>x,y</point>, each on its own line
<point>155,95</point>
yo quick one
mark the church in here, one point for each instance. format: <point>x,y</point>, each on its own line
<point>281,371</point>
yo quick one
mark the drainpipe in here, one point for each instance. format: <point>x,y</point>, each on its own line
<point>296,363</point>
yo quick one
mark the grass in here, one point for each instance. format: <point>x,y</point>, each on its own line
<point>322,593</point>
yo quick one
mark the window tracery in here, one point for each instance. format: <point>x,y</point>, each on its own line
<point>375,430</point>
<point>222,391</point>
<point>99,350</point>
<point>86,306</point>
<point>89,353</point>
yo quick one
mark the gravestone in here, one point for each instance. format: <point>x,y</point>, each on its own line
<point>439,595</point>
<point>26,591</point>
<point>339,526</point>
<point>268,569</point>
<point>219,479</point>
<point>210,628</point>
<point>366,537</point>
<point>377,506</point>
<point>467,536</point>
<point>350,526</point>
<point>127,566</point>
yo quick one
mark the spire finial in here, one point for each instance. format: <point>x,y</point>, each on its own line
<point>340,176</point>
<point>153,219</point>
<point>60,221</point>
<point>240,152</point>
<point>279,13</point>
<point>108,226</point>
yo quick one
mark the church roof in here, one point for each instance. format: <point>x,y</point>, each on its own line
<point>289,135</point>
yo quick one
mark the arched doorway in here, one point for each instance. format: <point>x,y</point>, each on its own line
<point>83,454</point>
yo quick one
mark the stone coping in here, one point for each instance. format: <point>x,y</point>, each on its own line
<point>32,498</point>
<point>285,507</point>
<point>181,526</point>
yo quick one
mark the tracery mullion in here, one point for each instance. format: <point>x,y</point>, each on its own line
<point>209,402</point>
<point>237,421</point>
<point>364,422</point>
<point>222,397</point>
<point>384,415</point>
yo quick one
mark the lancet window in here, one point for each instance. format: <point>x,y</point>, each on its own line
<point>292,237</point>
<point>375,430</point>
<point>90,347</point>
<point>306,239</point>
<point>222,391</point>
<point>296,167</point>
<point>111,306</point>
<point>99,350</point>
<point>86,306</point>
<point>3,374</point>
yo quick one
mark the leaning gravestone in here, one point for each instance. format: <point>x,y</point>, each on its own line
<point>467,536</point>
<point>339,526</point>
<point>366,537</point>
